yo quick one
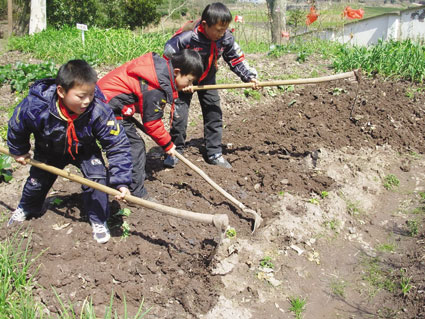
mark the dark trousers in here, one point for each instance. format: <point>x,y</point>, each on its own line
<point>138,154</point>
<point>213,122</point>
<point>40,181</point>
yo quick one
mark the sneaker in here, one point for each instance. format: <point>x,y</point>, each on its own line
<point>170,161</point>
<point>219,160</point>
<point>100,232</point>
<point>18,216</point>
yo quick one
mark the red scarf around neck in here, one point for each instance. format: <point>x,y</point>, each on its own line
<point>70,131</point>
<point>213,55</point>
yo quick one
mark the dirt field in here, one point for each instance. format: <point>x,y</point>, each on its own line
<point>332,234</point>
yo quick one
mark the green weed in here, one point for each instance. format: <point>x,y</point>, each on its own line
<point>266,262</point>
<point>231,233</point>
<point>57,201</point>
<point>338,288</point>
<point>297,306</point>
<point>413,227</point>
<point>324,194</point>
<point>67,311</point>
<point>377,276</point>
<point>16,282</point>
<point>21,75</point>
<point>419,210</point>
<point>5,168</point>
<point>256,95</point>
<point>388,247</point>
<point>124,212</point>
<point>314,201</point>
<point>332,224</point>
<point>405,285</point>
<point>125,227</point>
<point>391,181</point>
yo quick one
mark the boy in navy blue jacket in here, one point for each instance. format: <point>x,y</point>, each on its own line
<point>67,116</point>
<point>212,39</point>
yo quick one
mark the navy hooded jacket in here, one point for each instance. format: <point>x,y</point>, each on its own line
<point>38,114</point>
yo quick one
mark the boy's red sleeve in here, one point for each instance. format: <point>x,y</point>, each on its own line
<point>156,130</point>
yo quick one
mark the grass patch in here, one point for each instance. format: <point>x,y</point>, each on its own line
<point>377,276</point>
<point>16,281</point>
<point>387,247</point>
<point>338,287</point>
<point>102,46</point>
<point>297,306</point>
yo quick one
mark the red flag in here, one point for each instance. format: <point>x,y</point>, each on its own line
<point>239,19</point>
<point>312,16</point>
<point>285,34</point>
<point>353,14</point>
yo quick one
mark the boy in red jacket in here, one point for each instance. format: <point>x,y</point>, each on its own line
<point>145,85</point>
<point>211,38</point>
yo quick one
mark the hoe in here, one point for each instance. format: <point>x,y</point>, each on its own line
<point>220,221</point>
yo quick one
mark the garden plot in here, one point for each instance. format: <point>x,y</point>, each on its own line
<point>341,201</point>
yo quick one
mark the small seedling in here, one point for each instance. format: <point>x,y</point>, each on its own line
<point>266,262</point>
<point>251,93</point>
<point>314,201</point>
<point>387,247</point>
<point>231,233</point>
<point>419,210</point>
<point>338,91</point>
<point>297,306</point>
<point>391,181</point>
<point>324,194</point>
<point>281,193</point>
<point>125,230</point>
<point>405,283</point>
<point>332,224</point>
<point>57,202</point>
<point>353,208</point>
<point>124,212</point>
<point>292,103</point>
<point>413,227</point>
<point>422,195</point>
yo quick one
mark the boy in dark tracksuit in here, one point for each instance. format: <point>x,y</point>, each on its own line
<point>67,117</point>
<point>210,37</point>
<point>145,85</point>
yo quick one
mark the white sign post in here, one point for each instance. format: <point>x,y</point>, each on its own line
<point>82,27</point>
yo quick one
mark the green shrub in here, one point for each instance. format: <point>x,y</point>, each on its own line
<point>106,14</point>
<point>21,75</point>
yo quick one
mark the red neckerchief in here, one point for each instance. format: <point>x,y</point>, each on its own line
<point>70,131</point>
<point>213,55</point>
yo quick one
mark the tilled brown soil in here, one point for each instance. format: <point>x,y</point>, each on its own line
<point>166,261</point>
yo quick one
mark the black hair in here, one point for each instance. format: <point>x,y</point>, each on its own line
<point>216,13</point>
<point>189,62</point>
<point>75,72</point>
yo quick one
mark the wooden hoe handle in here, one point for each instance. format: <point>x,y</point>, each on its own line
<point>221,221</point>
<point>347,75</point>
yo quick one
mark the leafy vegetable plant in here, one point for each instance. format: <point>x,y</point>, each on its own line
<point>5,165</point>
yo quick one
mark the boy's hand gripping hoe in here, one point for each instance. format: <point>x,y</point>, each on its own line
<point>220,221</point>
